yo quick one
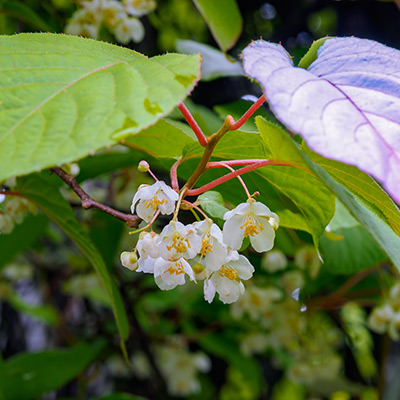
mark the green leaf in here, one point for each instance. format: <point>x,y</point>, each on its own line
<point>64,97</point>
<point>167,138</point>
<point>22,237</point>
<point>52,203</point>
<point>224,20</point>
<point>365,199</point>
<point>29,375</point>
<point>41,312</point>
<point>354,251</point>
<point>227,349</point>
<point>213,204</point>
<point>301,199</point>
<point>25,14</point>
<point>312,53</point>
<point>305,191</point>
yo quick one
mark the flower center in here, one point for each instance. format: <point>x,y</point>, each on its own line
<point>179,243</point>
<point>154,202</point>
<point>177,270</point>
<point>251,228</point>
<point>229,273</point>
<point>206,246</point>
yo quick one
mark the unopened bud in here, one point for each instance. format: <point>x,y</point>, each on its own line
<point>143,166</point>
<point>129,260</point>
<point>198,268</point>
<point>274,223</point>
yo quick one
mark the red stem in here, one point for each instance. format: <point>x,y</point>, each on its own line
<point>174,175</point>
<point>233,163</point>
<point>246,115</point>
<point>231,175</point>
<point>239,178</point>
<point>193,124</point>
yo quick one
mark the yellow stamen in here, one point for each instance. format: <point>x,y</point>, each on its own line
<point>206,246</point>
<point>251,228</point>
<point>229,273</point>
<point>179,243</point>
<point>154,202</point>
<point>177,271</point>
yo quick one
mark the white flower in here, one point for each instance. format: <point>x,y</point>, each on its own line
<point>158,195</point>
<point>129,29</point>
<point>212,249</point>
<point>113,12</point>
<point>148,251</point>
<point>380,318</point>
<point>177,240</point>
<point>138,8</point>
<point>129,260</point>
<point>227,281</point>
<point>169,274</point>
<point>84,22</point>
<point>256,302</point>
<point>251,219</point>
<point>6,223</point>
<point>274,261</point>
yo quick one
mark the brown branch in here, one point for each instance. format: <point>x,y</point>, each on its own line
<point>132,221</point>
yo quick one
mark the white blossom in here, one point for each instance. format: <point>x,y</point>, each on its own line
<point>177,240</point>
<point>148,251</point>
<point>274,261</point>
<point>213,249</point>
<point>128,29</point>
<point>6,223</point>
<point>169,274</point>
<point>139,8</point>
<point>251,219</point>
<point>153,197</point>
<point>129,260</point>
<point>227,280</point>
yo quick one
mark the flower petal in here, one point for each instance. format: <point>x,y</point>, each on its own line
<point>232,234</point>
<point>264,240</point>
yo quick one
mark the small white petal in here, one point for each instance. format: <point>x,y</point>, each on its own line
<point>241,209</point>
<point>264,240</point>
<point>233,235</point>
<point>243,267</point>
<point>209,291</point>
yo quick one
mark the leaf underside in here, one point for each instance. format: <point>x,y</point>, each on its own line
<point>346,105</point>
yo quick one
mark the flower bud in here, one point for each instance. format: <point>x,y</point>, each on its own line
<point>274,261</point>
<point>143,166</point>
<point>129,260</point>
<point>198,268</point>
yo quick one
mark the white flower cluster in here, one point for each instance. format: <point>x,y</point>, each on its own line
<point>200,250</point>
<point>178,365</point>
<point>12,212</point>
<point>386,317</point>
<point>121,18</point>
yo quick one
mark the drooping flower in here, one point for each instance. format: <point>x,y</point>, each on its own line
<point>148,251</point>
<point>129,260</point>
<point>169,274</point>
<point>251,219</point>
<point>227,280</point>
<point>129,29</point>
<point>213,249</point>
<point>153,197</point>
<point>177,240</point>
<point>139,8</point>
